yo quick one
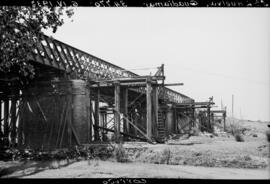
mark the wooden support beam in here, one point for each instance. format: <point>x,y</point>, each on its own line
<point>146,136</point>
<point>6,115</point>
<point>97,99</point>
<point>174,84</point>
<point>65,120</point>
<point>90,116</point>
<point>20,125</point>
<point>149,108</point>
<point>125,134</point>
<point>126,126</point>
<point>193,115</point>
<point>102,122</point>
<point>139,96</point>
<point>13,116</point>
<point>116,114</point>
<point>208,118</point>
<point>136,119</point>
<point>1,133</point>
<point>224,120</point>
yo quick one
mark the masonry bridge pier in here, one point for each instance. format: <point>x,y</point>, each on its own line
<point>77,98</point>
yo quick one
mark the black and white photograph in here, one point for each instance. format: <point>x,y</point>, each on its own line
<point>125,93</point>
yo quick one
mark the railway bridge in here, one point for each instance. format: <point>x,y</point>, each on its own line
<point>77,98</point>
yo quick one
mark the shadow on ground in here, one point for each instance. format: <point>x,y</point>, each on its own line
<point>26,168</point>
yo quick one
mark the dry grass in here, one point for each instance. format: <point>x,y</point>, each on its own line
<point>120,154</point>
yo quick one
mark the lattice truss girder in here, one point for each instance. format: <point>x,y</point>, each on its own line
<point>64,57</point>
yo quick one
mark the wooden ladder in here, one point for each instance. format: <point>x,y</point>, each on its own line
<point>161,127</point>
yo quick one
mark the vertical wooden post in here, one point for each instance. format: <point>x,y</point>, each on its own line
<point>125,110</point>
<point>13,115</point>
<point>91,120</point>
<point>1,133</point>
<point>96,130</point>
<point>155,109</point>
<point>90,116</point>
<point>209,118</point>
<point>193,115</point>
<point>105,119</point>
<point>20,125</point>
<point>70,118</point>
<point>148,108</point>
<point>6,125</point>
<point>102,122</point>
<point>136,124</point>
<point>224,119</point>
<point>116,112</point>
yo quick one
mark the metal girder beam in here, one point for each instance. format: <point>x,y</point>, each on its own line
<point>74,60</point>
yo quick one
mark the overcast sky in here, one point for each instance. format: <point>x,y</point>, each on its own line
<point>213,51</point>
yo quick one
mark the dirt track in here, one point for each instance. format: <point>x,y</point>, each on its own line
<point>107,169</point>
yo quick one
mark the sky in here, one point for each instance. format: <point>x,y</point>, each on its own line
<point>216,52</point>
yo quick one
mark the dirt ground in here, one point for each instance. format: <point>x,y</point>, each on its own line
<point>108,169</point>
<point>203,156</point>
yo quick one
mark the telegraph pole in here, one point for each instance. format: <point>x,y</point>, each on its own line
<point>232,107</point>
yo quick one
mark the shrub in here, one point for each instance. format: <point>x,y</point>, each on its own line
<point>239,138</point>
<point>120,154</point>
<point>165,156</point>
<point>268,135</point>
<point>194,131</point>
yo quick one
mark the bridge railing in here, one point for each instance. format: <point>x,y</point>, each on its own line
<point>62,56</point>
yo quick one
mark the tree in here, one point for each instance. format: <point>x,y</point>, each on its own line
<point>20,28</point>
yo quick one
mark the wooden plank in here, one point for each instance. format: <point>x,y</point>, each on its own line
<point>116,114</point>
<point>40,109</point>
<point>148,109</point>
<point>60,124</point>
<point>54,122</point>
<point>74,133</point>
<point>67,113</point>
